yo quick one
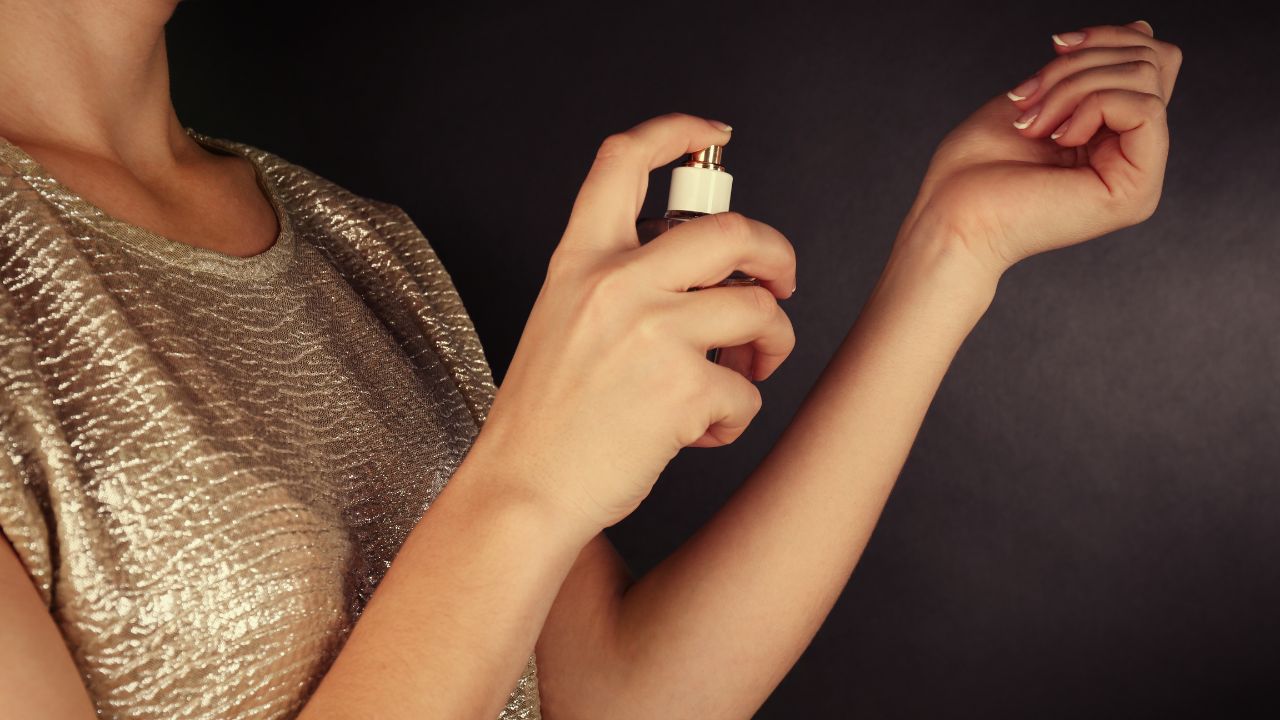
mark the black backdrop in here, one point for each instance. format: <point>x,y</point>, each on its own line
<point>1087,525</point>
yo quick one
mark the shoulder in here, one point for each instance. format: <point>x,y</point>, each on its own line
<point>384,256</point>
<point>343,223</point>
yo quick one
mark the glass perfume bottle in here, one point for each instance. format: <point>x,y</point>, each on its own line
<point>700,186</point>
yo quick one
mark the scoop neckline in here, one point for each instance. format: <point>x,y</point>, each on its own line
<point>267,263</point>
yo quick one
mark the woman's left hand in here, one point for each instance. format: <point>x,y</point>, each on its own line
<point>1075,151</point>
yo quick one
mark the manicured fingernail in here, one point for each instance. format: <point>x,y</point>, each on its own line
<point>1068,39</point>
<point>1028,117</point>
<point>1062,129</point>
<point>723,126</point>
<point>1023,91</point>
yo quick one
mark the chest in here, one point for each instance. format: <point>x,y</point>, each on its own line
<point>247,467</point>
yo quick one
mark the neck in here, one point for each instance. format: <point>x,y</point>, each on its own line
<point>89,76</point>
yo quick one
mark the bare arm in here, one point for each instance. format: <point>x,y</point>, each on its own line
<point>711,631</point>
<point>38,678</point>
<point>477,633</point>
<point>452,623</point>
<point>455,618</point>
<point>751,588</point>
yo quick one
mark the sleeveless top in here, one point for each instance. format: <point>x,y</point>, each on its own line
<point>208,462</point>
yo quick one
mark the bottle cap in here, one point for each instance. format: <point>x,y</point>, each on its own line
<point>701,184</point>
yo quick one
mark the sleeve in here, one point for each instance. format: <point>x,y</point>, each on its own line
<point>446,316</point>
<point>24,500</point>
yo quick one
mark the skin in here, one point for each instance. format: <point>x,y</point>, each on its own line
<point>513,557</point>
<point>86,88</point>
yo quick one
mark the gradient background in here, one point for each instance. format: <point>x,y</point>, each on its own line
<point>1089,523</point>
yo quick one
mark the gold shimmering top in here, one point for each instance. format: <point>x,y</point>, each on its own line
<point>208,462</point>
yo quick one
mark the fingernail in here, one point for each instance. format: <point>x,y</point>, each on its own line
<point>1028,117</point>
<point>1068,39</point>
<point>793,291</point>
<point>1023,91</point>
<point>1144,22</point>
<point>1061,130</point>
<point>722,126</point>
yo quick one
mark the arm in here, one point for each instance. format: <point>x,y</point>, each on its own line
<point>750,589</point>
<point>38,678</point>
<point>463,601</point>
<point>477,633</point>
<point>451,625</point>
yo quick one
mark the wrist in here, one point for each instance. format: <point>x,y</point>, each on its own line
<point>946,251</point>
<point>933,255</point>
<point>491,478</point>
<point>929,229</point>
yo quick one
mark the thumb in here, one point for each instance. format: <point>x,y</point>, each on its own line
<point>604,213</point>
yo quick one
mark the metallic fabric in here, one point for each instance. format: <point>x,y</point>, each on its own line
<point>209,461</point>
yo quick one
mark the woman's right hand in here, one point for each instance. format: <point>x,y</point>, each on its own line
<point>610,378</point>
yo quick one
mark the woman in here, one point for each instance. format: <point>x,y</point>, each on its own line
<point>229,390</point>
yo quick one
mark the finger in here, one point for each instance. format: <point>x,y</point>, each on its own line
<point>735,401</point>
<point>705,250</point>
<point>1100,36</point>
<point>1060,102</point>
<point>1142,26</point>
<point>605,210</point>
<point>737,315</point>
<point>739,358</point>
<point>1032,90</point>
<point>1135,160</point>
<point>1136,33</point>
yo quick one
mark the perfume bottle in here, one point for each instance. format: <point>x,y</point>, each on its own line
<point>700,186</point>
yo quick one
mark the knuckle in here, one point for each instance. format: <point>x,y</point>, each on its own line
<point>1147,208</point>
<point>1068,60</point>
<point>605,286</point>
<point>1174,53</point>
<point>790,330</point>
<point>772,235</point>
<point>755,397</point>
<point>556,264</point>
<point>1138,204</point>
<point>687,433</point>
<point>650,328</point>
<point>1133,200</point>
<point>691,385</point>
<point>617,145</point>
<point>1148,69</point>
<point>765,304</point>
<point>690,398</point>
<point>1066,86</point>
<point>1152,106</point>
<point>562,264</point>
<point>1093,101</point>
<point>1131,68</point>
<point>732,226</point>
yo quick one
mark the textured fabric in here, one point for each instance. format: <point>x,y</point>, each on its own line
<point>209,461</point>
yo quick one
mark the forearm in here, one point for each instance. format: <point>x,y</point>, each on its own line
<point>725,617</point>
<point>451,625</point>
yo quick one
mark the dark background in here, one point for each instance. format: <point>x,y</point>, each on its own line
<point>1088,524</point>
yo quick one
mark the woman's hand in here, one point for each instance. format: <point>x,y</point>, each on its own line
<point>1073,152</point>
<point>610,378</point>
